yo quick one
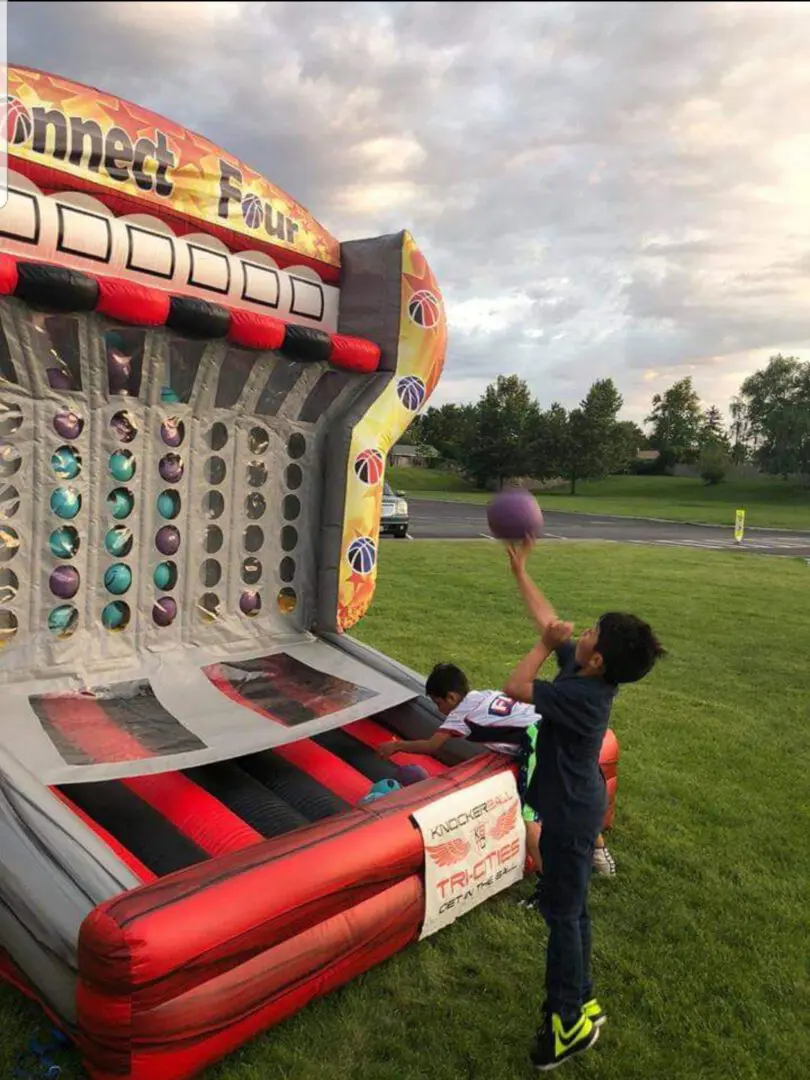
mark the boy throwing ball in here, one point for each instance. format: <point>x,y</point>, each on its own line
<point>567,791</point>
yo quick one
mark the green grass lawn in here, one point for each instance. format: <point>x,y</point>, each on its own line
<point>701,940</point>
<point>768,503</point>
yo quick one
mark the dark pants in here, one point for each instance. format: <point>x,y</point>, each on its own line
<point>567,865</point>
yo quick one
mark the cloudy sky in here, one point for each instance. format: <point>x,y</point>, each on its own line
<point>601,188</point>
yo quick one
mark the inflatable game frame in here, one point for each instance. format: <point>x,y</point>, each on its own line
<point>198,390</point>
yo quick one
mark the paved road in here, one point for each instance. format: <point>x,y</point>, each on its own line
<point>466,521</point>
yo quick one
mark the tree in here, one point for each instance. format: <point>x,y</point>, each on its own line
<point>632,439</point>
<point>548,452</point>
<point>506,418</point>
<point>676,420</point>
<point>595,444</point>
<point>713,430</point>
<point>741,437</point>
<point>713,463</point>
<point>450,429</point>
<point>774,406</point>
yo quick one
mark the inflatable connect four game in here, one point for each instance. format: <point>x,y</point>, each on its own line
<point>198,390</point>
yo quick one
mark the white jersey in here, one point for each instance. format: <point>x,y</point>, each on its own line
<point>490,708</point>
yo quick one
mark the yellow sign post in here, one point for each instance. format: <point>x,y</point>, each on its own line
<point>739,526</point>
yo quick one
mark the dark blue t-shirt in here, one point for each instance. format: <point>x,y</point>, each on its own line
<point>567,789</point>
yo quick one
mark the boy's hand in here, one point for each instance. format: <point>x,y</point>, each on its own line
<point>386,749</point>
<point>518,553</point>
<point>557,633</point>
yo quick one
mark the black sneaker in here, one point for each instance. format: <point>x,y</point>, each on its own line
<point>555,1044</point>
<point>532,903</point>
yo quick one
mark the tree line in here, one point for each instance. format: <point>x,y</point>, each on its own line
<point>506,433</point>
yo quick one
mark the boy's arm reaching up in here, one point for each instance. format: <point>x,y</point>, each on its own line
<point>520,684</point>
<point>537,605</point>
<point>415,746</point>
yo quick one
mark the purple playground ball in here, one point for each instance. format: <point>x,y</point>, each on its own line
<point>67,424</point>
<point>164,611</point>
<point>411,774</point>
<point>514,515</point>
<point>167,540</point>
<point>64,582</point>
<point>172,431</point>
<point>171,468</point>
<point>250,602</point>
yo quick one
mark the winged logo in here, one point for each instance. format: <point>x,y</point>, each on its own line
<point>449,853</point>
<point>505,822</point>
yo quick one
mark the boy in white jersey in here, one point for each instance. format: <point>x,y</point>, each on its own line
<point>448,688</point>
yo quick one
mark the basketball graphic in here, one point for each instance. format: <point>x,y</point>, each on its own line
<point>411,392</point>
<point>362,555</point>
<point>18,122</point>
<point>425,309</point>
<point>252,211</point>
<point>368,466</point>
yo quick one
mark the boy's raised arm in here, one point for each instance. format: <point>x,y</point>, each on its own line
<point>536,604</point>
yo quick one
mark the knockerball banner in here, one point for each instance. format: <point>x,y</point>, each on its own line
<point>475,846</point>
<point>57,126</point>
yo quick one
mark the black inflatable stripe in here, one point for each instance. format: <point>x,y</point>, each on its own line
<point>357,754</point>
<point>249,799</point>
<point>306,344</point>
<point>198,318</point>
<point>298,789</point>
<point>142,831</point>
<point>55,288</point>
<point>418,720</point>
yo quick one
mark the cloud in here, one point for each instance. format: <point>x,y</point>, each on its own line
<point>602,189</point>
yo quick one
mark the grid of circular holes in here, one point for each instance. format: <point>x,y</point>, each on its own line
<point>297,446</point>
<point>66,462</point>
<point>287,600</point>
<point>9,543</point>
<point>124,425</point>
<point>256,473</point>
<point>63,620</point>
<point>8,626</point>
<point>218,436</point>
<point>10,460</point>
<point>9,500</point>
<point>289,538</point>
<point>210,573</point>
<point>116,615</point>
<point>258,441</point>
<point>213,539</point>
<point>295,477</point>
<point>251,570</point>
<point>209,606</point>
<point>215,470</point>
<point>213,505</point>
<point>11,418</point>
<point>291,508</point>
<point>253,538</point>
<point>255,505</point>
<point>9,586</point>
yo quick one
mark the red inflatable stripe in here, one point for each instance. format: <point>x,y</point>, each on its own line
<point>130,302</point>
<point>143,873</point>
<point>178,1039</point>
<point>192,811</point>
<point>354,354</point>
<point>373,735</point>
<point>327,768</point>
<point>8,274</point>
<point>254,331</point>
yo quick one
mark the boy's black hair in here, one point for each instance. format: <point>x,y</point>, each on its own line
<point>628,647</point>
<point>447,679</point>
